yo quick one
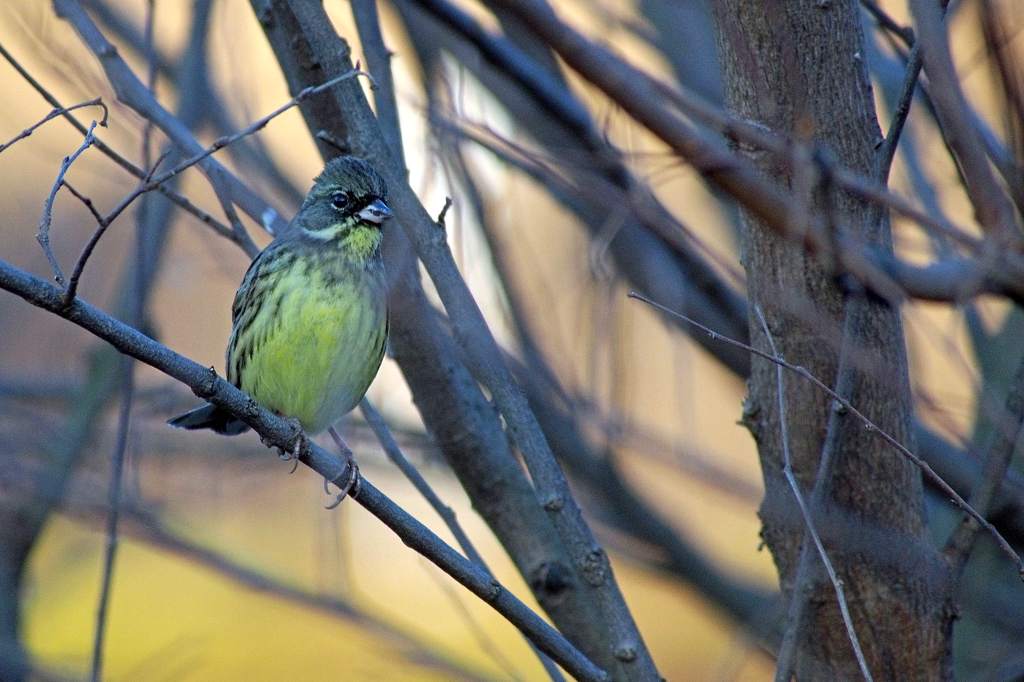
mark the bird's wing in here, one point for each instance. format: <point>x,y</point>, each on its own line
<point>261,266</point>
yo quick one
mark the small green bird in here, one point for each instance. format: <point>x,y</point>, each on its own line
<point>310,319</point>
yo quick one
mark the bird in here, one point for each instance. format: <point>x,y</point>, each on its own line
<point>310,318</point>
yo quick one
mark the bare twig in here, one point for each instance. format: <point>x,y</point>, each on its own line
<point>113,516</point>
<point>86,201</point>
<point>219,144</point>
<point>444,212</point>
<point>887,151</point>
<point>902,449</point>
<point>1007,441</point>
<point>238,233</point>
<point>394,453</point>
<point>639,94</point>
<point>120,160</point>
<point>784,667</point>
<point>135,304</point>
<point>905,33</point>
<point>95,102</point>
<point>278,432</point>
<point>133,93</point>
<point>43,235</point>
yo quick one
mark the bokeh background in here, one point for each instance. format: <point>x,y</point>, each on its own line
<point>231,568</point>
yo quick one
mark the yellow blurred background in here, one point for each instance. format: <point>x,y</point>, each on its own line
<point>176,618</point>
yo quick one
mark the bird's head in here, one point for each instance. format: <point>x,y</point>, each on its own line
<point>347,206</point>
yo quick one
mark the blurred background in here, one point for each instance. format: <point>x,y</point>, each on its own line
<point>229,566</point>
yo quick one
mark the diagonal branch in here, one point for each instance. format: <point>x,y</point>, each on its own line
<point>880,272</point>
<point>622,649</point>
<point>991,205</point>
<point>280,433</point>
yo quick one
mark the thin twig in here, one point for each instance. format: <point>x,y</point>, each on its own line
<point>133,93</point>
<point>905,33</point>
<point>181,201</point>
<point>486,643</point>
<point>394,453</point>
<point>224,141</point>
<point>939,482</point>
<point>992,206</point>
<point>447,514</point>
<point>43,235</point>
<point>845,375</point>
<point>798,601</point>
<point>86,201</point>
<point>135,304</point>
<point>239,234</point>
<point>95,102</point>
<point>113,515</point>
<point>887,150</point>
<point>1008,439</point>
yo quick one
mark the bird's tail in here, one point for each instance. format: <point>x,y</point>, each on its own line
<point>210,416</point>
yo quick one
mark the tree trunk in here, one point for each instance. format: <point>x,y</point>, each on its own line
<point>798,67</point>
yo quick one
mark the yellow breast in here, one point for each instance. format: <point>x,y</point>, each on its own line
<point>315,346</point>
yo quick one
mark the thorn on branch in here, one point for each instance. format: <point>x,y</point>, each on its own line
<point>330,139</point>
<point>209,387</point>
<point>444,212</point>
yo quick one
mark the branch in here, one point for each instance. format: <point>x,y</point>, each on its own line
<point>642,96</point>
<point>58,111</point>
<point>622,645</point>
<point>378,61</point>
<point>992,208</point>
<point>121,161</point>
<point>133,93</point>
<point>278,432</point>
<point>43,235</point>
<point>145,526</point>
<point>219,176</point>
<point>394,453</point>
<point>1007,441</point>
<point>899,447</point>
<point>113,516</point>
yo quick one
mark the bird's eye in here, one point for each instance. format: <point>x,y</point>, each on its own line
<point>339,200</point>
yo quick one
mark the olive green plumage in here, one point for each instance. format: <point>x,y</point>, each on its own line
<point>310,321</point>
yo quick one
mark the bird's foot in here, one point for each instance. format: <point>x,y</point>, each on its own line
<point>351,486</point>
<point>299,447</point>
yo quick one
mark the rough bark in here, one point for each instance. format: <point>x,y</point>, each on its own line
<point>798,67</point>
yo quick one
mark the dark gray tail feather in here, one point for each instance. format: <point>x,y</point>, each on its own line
<point>210,416</point>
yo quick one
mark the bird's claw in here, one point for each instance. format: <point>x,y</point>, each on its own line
<point>299,447</point>
<point>349,489</point>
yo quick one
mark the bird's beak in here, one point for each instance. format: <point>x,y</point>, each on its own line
<point>377,212</point>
